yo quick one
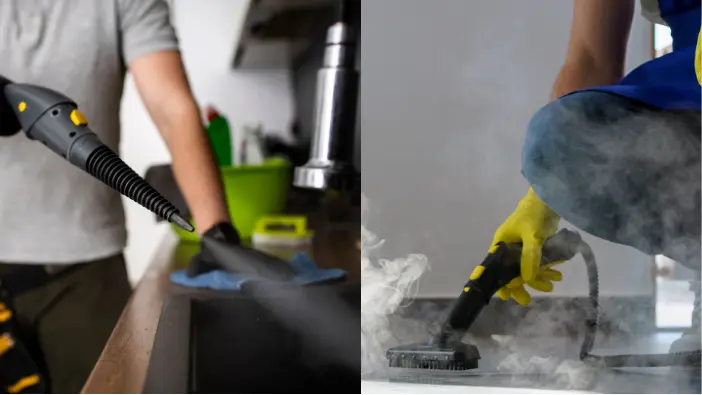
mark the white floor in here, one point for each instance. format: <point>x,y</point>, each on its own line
<point>376,387</point>
<point>656,344</point>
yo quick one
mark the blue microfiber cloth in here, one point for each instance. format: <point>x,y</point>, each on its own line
<point>306,273</point>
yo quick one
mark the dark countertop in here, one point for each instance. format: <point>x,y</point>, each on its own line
<point>123,365</point>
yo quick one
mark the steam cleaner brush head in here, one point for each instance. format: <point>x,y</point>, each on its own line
<point>457,356</point>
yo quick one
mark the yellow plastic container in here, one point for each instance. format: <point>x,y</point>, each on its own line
<point>289,230</point>
<point>283,236</point>
<point>252,193</point>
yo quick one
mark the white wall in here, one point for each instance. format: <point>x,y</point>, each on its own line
<point>447,89</point>
<point>208,30</point>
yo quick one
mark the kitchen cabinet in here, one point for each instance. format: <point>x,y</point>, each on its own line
<point>276,32</point>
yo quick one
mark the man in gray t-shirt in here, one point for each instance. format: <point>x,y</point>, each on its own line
<point>55,216</point>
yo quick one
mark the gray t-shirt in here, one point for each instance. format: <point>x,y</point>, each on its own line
<point>51,211</point>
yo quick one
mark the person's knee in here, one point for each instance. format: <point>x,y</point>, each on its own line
<point>542,144</point>
<point>540,137</point>
<point>589,169</point>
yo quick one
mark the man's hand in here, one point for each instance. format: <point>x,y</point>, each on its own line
<point>543,281</point>
<point>531,223</point>
<point>205,261</point>
<point>161,81</point>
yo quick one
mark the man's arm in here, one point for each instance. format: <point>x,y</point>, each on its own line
<point>162,84</point>
<point>150,51</point>
<point>597,50</point>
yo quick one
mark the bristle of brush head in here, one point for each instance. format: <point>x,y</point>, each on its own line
<point>432,364</point>
<point>458,357</point>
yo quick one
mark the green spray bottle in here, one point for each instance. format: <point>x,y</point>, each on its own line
<point>220,136</point>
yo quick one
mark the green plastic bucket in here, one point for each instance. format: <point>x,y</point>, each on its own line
<point>252,192</point>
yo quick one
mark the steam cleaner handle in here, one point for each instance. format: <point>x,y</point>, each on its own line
<point>8,121</point>
<point>497,270</point>
<point>55,121</point>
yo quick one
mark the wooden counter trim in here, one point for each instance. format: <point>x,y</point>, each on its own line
<point>124,362</point>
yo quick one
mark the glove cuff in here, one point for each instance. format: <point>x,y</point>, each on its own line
<point>223,231</point>
<point>533,200</point>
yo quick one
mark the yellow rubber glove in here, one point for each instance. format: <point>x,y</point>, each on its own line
<point>530,224</point>
<point>542,282</point>
<point>698,58</point>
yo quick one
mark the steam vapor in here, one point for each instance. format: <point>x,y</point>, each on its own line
<point>385,286</point>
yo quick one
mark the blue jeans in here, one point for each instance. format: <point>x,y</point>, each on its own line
<point>620,170</point>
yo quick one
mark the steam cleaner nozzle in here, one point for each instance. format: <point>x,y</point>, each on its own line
<point>55,121</point>
<point>107,167</point>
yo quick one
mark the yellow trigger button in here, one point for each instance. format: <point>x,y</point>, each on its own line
<point>78,118</point>
<point>22,107</point>
<point>477,272</point>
